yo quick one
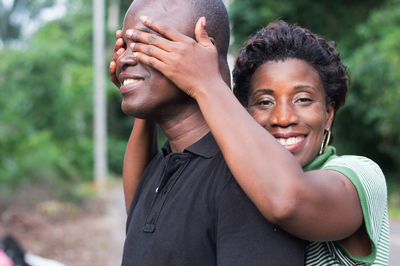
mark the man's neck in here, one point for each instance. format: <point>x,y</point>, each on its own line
<point>185,128</point>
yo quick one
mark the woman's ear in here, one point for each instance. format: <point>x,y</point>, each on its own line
<point>330,111</point>
<point>212,40</point>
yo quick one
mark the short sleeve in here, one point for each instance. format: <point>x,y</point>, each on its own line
<point>245,237</point>
<point>369,181</point>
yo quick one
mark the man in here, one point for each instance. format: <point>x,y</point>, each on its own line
<point>188,209</point>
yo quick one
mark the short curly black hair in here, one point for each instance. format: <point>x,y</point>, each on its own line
<point>280,41</point>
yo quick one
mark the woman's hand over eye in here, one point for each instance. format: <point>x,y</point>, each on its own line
<point>192,65</point>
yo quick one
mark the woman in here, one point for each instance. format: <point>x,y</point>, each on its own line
<point>292,83</point>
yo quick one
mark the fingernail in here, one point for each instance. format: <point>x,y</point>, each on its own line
<point>204,21</point>
<point>129,33</point>
<point>135,54</point>
<point>144,19</point>
<point>133,45</point>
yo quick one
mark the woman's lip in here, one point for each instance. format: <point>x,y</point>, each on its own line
<point>295,147</point>
<point>288,135</point>
<point>291,147</point>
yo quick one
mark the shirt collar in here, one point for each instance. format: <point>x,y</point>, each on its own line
<point>321,159</point>
<point>205,147</point>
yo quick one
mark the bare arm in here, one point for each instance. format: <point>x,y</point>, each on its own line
<point>142,144</point>
<point>316,205</point>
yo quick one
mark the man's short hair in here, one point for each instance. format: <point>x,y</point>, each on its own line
<point>217,25</point>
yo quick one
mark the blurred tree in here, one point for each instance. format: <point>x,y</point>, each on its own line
<point>46,103</point>
<point>334,19</point>
<point>12,11</point>
<point>46,98</point>
<point>372,107</point>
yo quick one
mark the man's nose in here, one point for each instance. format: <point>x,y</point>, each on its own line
<point>284,115</point>
<point>125,60</point>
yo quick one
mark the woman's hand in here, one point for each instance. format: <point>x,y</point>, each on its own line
<point>118,51</point>
<point>192,65</point>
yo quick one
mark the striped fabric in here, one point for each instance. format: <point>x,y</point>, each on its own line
<point>370,183</point>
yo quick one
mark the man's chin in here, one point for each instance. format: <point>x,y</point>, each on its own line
<point>134,111</point>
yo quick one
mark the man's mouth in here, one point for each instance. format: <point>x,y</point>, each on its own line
<point>130,81</point>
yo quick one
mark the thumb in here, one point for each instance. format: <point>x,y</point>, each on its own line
<point>201,33</point>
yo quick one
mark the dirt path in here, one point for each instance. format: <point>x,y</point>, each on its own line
<point>91,235</point>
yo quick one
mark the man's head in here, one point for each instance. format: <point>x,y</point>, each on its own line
<point>151,95</point>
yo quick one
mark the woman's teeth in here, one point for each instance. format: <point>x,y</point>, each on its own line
<point>130,81</point>
<point>290,141</point>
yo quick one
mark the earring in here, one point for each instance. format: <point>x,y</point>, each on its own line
<point>325,141</point>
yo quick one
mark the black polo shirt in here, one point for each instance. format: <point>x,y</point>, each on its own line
<point>189,210</point>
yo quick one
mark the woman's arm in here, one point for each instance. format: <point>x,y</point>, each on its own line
<point>142,146</point>
<point>142,143</point>
<point>118,51</point>
<point>316,205</point>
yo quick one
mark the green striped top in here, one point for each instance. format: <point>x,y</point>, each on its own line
<point>370,184</point>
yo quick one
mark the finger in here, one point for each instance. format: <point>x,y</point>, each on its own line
<point>201,33</point>
<point>150,50</point>
<point>113,76</point>
<point>118,34</point>
<point>117,54</point>
<point>113,67</point>
<point>150,61</point>
<point>119,43</point>
<point>150,38</point>
<point>163,29</point>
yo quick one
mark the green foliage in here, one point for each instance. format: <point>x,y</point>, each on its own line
<point>46,103</point>
<point>333,19</point>
<point>11,28</point>
<point>372,103</point>
<point>116,151</point>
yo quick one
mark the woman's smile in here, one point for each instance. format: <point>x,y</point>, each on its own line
<point>288,99</point>
<point>292,143</point>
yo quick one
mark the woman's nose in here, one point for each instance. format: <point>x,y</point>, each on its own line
<point>283,115</point>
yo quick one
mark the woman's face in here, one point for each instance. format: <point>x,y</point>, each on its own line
<point>287,98</point>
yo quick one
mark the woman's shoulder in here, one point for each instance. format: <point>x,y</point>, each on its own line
<point>367,177</point>
<point>357,160</point>
<point>370,183</point>
<point>357,167</point>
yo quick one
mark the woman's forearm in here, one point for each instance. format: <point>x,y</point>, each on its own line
<point>142,146</point>
<point>307,205</point>
<point>253,156</point>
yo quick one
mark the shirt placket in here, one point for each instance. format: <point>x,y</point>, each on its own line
<point>175,165</point>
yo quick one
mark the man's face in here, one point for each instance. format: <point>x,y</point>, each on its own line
<point>146,92</point>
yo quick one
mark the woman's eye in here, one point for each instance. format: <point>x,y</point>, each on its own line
<point>265,102</point>
<point>304,100</point>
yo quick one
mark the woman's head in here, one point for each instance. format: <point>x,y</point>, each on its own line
<point>279,41</point>
<point>292,82</point>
